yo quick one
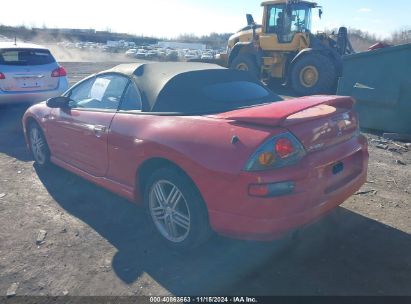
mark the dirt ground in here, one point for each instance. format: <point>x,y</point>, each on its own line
<point>99,244</point>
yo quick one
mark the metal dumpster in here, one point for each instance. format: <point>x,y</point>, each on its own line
<point>380,81</point>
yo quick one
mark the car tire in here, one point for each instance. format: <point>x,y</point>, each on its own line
<point>38,145</point>
<point>246,62</point>
<point>313,74</point>
<point>180,218</point>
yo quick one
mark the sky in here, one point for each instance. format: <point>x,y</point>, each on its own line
<point>170,18</point>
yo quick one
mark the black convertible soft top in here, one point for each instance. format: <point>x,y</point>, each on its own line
<point>195,88</point>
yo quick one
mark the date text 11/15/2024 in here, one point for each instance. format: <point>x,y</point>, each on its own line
<point>203,300</point>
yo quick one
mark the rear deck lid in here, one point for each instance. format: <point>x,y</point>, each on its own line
<point>27,70</point>
<point>317,121</point>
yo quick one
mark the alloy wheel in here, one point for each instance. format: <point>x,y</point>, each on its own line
<point>169,211</point>
<point>38,146</point>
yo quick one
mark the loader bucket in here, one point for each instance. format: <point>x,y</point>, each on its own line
<point>380,81</point>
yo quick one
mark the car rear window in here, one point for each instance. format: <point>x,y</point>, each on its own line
<point>25,57</point>
<point>212,91</point>
<point>235,92</point>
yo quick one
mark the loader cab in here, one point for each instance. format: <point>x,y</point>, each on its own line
<point>285,20</point>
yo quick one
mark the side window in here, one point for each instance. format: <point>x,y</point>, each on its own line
<point>131,99</point>
<point>276,20</point>
<point>81,92</point>
<point>103,92</point>
<point>280,23</point>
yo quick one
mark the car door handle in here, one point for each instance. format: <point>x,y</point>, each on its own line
<point>99,130</point>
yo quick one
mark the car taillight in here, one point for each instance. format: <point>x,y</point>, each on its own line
<point>279,151</point>
<point>59,72</point>
<point>2,76</point>
<point>284,147</point>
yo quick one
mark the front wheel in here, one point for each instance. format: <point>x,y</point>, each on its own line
<point>313,74</point>
<point>38,145</point>
<point>176,209</point>
<point>247,63</point>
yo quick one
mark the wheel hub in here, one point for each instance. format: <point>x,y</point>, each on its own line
<point>242,67</point>
<point>309,76</point>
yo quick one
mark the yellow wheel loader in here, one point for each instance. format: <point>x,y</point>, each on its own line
<point>284,48</point>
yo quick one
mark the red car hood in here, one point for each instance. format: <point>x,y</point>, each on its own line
<point>275,114</point>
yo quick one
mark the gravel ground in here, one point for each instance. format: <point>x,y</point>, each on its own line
<point>98,244</point>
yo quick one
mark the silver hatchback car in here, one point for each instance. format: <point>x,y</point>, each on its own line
<point>29,73</point>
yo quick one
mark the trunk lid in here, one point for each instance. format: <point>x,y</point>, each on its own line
<point>317,121</point>
<point>28,78</point>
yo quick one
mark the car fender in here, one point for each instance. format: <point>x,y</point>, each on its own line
<point>203,147</point>
<point>204,167</point>
<point>37,113</point>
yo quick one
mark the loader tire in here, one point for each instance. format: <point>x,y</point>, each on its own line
<point>313,74</point>
<point>246,62</point>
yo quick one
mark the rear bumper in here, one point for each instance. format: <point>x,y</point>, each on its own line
<point>269,229</point>
<point>317,192</point>
<point>34,96</point>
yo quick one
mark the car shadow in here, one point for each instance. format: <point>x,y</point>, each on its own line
<point>11,131</point>
<point>343,254</point>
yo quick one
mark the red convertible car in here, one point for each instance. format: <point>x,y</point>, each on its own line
<point>204,148</point>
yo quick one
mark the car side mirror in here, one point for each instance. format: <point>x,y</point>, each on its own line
<point>58,102</point>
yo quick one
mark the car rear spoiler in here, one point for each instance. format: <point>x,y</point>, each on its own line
<point>274,114</point>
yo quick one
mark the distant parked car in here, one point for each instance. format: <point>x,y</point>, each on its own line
<point>141,53</point>
<point>131,53</point>
<point>204,148</point>
<point>29,73</point>
<point>207,56</point>
<point>192,55</point>
<point>151,54</point>
<point>172,56</point>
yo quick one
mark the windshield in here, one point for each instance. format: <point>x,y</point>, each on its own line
<point>287,22</point>
<point>300,18</point>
